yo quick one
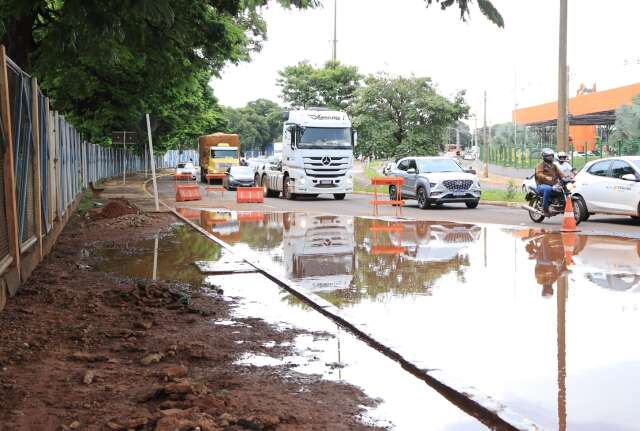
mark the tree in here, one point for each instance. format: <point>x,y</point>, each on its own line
<point>332,86</point>
<point>485,6</point>
<point>397,116</point>
<point>626,136</point>
<point>258,124</point>
<point>106,62</point>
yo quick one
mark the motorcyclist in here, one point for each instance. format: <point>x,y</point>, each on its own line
<point>547,175</point>
<point>566,170</point>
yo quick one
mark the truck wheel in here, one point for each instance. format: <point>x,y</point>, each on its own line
<point>339,196</point>
<point>267,191</point>
<point>285,190</point>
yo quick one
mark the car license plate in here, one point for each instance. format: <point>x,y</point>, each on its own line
<point>459,193</point>
<point>326,182</point>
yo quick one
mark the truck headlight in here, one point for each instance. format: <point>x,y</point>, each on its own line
<point>302,181</point>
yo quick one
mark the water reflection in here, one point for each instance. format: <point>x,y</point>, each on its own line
<point>489,292</point>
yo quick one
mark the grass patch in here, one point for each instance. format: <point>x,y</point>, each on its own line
<point>86,203</point>
<point>502,195</point>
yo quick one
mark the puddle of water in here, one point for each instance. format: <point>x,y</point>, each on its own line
<point>406,402</point>
<point>174,254</point>
<point>543,323</point>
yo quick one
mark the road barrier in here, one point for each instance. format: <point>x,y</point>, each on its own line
<point>387,181</point>
<point>188,193</point>
<point>45,165</point>
<point>249,195</point>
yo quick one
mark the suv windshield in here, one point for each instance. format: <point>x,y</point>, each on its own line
<point>437,165</point>
<point>217,153</point>
<point>325,138</point>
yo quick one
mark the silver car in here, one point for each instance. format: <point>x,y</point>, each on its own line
<point>436,181</point>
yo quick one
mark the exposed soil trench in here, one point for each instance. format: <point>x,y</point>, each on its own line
<point>81,349</point>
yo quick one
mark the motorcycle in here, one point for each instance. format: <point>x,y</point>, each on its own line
<point>560,192</point>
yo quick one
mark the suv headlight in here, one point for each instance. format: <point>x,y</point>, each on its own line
<point>432,185</point>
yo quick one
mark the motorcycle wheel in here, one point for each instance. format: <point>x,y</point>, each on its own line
<point>534,216</point>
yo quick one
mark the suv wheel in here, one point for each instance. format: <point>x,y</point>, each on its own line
<point>423,201</point>
<point>472,204</point>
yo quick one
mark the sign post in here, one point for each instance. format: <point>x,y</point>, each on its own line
<point>118,138</point>
<point>152,162</point>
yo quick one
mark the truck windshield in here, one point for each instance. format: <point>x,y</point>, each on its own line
<point>325,138</point>
<point>218,153</point>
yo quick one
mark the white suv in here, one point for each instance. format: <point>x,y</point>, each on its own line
<point>609,186</point>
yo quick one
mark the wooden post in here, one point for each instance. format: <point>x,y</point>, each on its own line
<point>35,128</point>
<point>9,180</point>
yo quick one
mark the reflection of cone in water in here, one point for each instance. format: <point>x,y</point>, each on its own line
<point>393,249</point>
<point>569,222</point>
<point>569,244</point>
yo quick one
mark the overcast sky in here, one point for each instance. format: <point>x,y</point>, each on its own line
<point>403,37</point>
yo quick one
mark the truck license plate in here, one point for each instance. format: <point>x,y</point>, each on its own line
<point>459,193</point>
<point>328,182</point>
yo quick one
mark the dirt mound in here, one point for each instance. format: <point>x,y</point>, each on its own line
<point>115,208</point>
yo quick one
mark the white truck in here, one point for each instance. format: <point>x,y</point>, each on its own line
<point>317,156</point>
<point>319,251</point>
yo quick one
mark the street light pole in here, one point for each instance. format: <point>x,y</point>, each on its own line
<point>562,126</point>
<point>334,55</point>
<point>485,144</point>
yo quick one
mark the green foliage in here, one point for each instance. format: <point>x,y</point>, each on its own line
<point>259,123</point>
<point>398,116</point>
<point>486,8</point>
<point>105,63</point>
<point>333,85</point>
<point>627,131</point>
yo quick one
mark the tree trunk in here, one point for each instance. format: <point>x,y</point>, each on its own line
<point>19,40</point>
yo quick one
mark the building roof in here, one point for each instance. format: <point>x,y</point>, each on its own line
<point>589,104</point>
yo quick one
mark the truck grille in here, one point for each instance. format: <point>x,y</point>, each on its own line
<point>326,167</point>
<point>457,184</point>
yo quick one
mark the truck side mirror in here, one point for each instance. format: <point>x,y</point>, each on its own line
<point>292,135</point>
<point>354,137</point>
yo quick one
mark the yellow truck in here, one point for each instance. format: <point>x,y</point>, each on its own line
<point>218,152</point>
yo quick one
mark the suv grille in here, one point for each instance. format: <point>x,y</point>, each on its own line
<point>458,184</point>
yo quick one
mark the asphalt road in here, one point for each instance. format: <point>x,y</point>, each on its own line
<point>358,205</point>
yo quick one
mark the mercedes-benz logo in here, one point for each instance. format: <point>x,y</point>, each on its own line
<point>326,160</point>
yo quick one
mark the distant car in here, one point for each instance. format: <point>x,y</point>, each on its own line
<point>238,176</point>
<point>186,169</point>
<point>436,180</point>
<point>609,186</point>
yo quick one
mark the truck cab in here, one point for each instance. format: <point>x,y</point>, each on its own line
<point>317,155</point>
<point>218,152</point>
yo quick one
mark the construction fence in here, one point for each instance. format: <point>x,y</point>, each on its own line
<point>44,166</point>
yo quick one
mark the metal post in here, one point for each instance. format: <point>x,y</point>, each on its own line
<point>334,55</point>
<point>561,298</point>
<point>153,165</point>
<point>485,168</point>
<point>124,160</point>
<point>562,131</point>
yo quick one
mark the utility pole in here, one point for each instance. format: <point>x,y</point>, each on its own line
<point>562,128</point>
<point>485,144</point>
<point>334,55</point>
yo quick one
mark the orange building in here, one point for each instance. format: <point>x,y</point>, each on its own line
<point>586,110</point>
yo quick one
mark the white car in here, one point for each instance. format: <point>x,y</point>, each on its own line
<point>609,186</point>
<point>186,169</point>
<point>436,181</point>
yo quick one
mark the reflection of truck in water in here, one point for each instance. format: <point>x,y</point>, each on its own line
<point>319,251</point>
<point>218,152</point>
<point>434,242</point>
<point>223,224</point>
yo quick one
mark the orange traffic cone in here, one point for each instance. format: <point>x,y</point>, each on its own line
<point>568,243</point>
<point>569,222</point>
